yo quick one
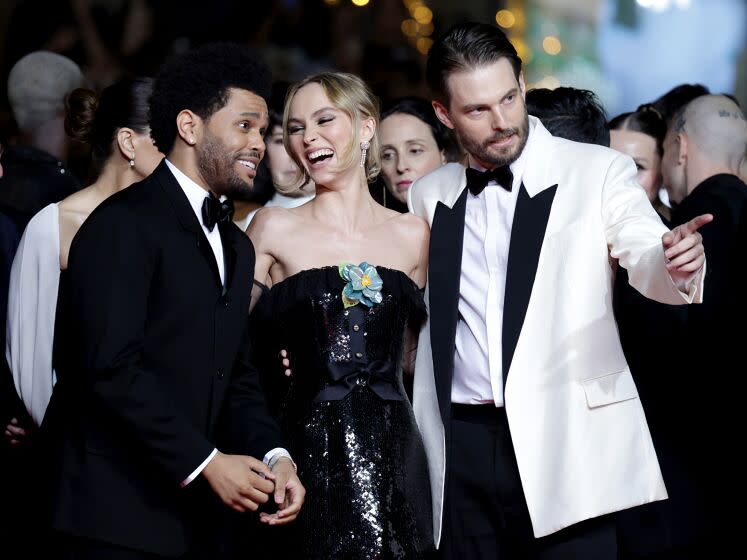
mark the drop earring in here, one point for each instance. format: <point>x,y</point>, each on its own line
<point>132,162</point>
<point>364,151</point>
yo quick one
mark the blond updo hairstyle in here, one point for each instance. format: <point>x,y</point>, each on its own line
<point>351,95</point>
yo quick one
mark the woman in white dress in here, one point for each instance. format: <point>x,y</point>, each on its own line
<point>115,125</point>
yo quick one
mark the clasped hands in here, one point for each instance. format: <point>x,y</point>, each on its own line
<point>244,483</point>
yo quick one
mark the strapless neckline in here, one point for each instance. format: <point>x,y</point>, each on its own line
<point>325,269</point>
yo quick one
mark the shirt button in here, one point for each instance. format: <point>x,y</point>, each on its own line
<point>359,355</point>
<point>356,328</point>
<point>220,373</point>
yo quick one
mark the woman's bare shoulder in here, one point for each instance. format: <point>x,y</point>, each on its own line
<point>411,225</point>
<point>268,219</point>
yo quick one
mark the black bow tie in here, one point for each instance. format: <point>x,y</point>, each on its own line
<point>478,180</point>
<point>216,212</point>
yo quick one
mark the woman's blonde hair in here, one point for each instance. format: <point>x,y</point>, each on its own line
<point>351,95</point>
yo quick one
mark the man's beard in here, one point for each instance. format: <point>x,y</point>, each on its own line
<point>497,157</point>
<point>216,166</point>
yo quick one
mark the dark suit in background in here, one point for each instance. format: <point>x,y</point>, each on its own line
<point>150,352</point>
<point>714,377</point>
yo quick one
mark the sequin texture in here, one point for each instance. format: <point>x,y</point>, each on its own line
<point>360,456</point>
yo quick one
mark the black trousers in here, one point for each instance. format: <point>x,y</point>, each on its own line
<point>485,513</point>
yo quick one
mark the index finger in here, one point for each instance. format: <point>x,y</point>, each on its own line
<point>697,222</point>
<point>262,484</point>
<point>293,507</point>
<point>260,468</point>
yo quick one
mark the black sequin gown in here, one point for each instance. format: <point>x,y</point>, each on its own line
<point>347,419</point>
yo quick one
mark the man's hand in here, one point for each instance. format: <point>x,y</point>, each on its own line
<point>289,494</point>
<point>238,482</point>
<point>15,434</point>
<point>683,249</point>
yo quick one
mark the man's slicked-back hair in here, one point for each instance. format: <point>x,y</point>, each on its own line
<point>200,80</point>
<point>463,47</point>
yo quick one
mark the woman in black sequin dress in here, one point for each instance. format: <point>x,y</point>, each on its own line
<point>347,419</point>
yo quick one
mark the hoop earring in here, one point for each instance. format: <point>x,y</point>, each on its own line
<point>364,151</point>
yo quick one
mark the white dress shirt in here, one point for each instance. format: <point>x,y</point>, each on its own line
<point>196,196</point>
<point>478,355</point>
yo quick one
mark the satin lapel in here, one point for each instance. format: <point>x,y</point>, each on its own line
<point>228,233</point>
<point>527,234</point>
<point>186,215</point>
<point>447,236</point>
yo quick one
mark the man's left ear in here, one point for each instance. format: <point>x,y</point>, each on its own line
<point>368,128</point>
<point>522,85</point>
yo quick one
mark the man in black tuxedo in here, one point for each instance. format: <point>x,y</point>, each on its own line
<point>151,349</point>
<point>700,165</point>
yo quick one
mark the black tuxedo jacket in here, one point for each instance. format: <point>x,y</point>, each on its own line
<point>150,350</point>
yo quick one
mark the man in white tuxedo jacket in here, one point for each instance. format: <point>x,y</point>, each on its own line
<point>531,420</point>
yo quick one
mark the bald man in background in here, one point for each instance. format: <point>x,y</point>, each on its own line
<point>702,154</point>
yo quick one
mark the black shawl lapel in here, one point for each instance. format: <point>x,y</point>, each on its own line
<point>527,234</point>
<point>447,236</point>
<point>229,234</point>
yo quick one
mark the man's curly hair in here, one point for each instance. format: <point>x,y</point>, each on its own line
<point>199,80</point>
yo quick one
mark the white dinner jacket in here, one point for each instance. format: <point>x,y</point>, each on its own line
<point>579,432</point>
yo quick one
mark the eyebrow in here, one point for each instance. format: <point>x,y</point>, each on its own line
<point>408,141</point>
<point>315,113</point>
<point>250,114</point>
<point>471,106</point>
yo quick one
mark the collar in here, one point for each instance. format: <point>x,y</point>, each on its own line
<point>194,192</point>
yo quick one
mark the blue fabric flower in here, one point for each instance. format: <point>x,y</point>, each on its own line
<point>363,284</point>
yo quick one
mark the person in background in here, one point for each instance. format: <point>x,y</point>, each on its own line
<point>413,143</point>
<point>36,174</point>
<point>702,152</point>
<point>670,103</point>
<point>115,126</point>
<point>575,114</point>
<point>640,134</point>
<point>648,329</point>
